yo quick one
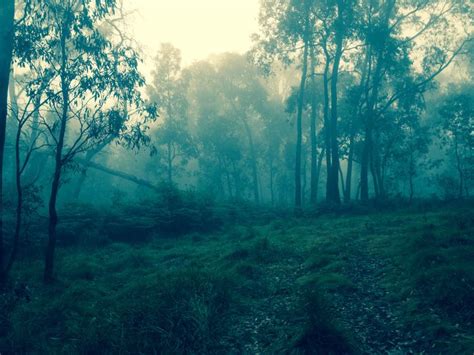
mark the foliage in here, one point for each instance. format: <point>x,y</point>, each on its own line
<point>172,142</point>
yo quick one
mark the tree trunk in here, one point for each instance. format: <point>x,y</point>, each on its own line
<point>368,149</point>
<point>170,164</point>
<point>38,162</point>
<point>52,223</point>
<point>119,174</point>
<point>304,177</point>
<point>459,167</point>
<point>343,188</point>
<point>376,169</point>
<point>7,13</point>
<point>358,192</point>
<point>253,155</point>
<point>272,193</point>
<point>364,80</point>
<point>318,172</point>
<point>380,178</point>
<point>314,146</point>
<point>327,129</point>
<point>224,170</point>
<point>411,175</point>
<point>367,144</point>
<point>374,176</point>
<point>237,181</point>
<point>334,175</point>
<point>19,202</point>
<point>53,215</point>
<point>350,160</point>
<point>364,165</point>
<point>299,129</point>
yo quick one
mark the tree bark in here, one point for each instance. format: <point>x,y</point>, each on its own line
<point>19,203</point>
<point>314,146</point>
<point>350,160</point>
<point>459,167</point>
<point>371,99</point>
<point>374,176</point>
<point>327,128</point>
<point>363,82</point>
<point>368,151</point>
<point>334,172</point>
<point>7,13</point>
<point>53,215</point>
<point>364,164</point>
<point>299,129</point>
<point>343,188</point>
<point>318,172</point>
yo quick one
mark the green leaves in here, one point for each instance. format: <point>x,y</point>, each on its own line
<point>77,61</point>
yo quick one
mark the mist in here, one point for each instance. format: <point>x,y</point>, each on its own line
<point>271,176</point>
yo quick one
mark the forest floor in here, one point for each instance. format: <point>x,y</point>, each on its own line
<point>384,283</point>
<point>374,296</point>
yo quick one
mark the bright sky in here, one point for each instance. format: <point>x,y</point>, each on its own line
<point>198,28</point>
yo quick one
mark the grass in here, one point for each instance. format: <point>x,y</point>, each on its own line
<point>189,294</point>
<point>322,334</point>
<point>431,274</point>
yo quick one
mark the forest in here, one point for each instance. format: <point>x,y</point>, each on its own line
<point>311,195</point>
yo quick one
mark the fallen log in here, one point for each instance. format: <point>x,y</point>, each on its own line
<point>117,173</point>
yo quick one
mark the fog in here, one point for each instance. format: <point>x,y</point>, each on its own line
<point>209,176</point>
<point>198,29</point>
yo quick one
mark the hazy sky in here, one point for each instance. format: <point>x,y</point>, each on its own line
<point>197,27</point>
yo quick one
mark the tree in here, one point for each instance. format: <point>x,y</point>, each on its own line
<point>26,142</point>
<point>457,113</point>
<point>90,79</point>
<point>7,13</point>
<point>113,29</point>
<point>341,30</point>
<point>245,100</point>
<point>313,93</point>
<point>287,34</point>
<point>216,134</point>
<point>393,35</point>
<point>168,90</point>
<point>274,139</point>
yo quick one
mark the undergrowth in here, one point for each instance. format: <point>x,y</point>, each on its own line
<point>183,293</point>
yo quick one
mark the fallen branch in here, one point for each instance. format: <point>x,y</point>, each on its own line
<point>117,173</point>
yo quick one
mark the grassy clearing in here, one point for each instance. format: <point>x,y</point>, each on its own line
<point>432,276</point>
<point>203,292</point>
